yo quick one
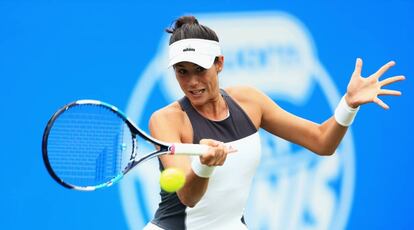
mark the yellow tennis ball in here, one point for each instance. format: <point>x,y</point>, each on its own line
<point>172,179</point>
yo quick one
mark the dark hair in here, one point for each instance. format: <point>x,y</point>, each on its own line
<point>188,27</point>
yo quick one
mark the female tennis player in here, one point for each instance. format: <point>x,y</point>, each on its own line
<point>217,183</point>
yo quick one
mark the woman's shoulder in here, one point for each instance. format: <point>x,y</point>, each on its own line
<point>243,93</point>
<point>250,100</point>
<point>171,123</point>
<point>171,113</point>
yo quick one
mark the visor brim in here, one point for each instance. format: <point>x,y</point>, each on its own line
<point>205,61</point>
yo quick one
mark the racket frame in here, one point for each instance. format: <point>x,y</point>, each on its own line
<point>164,148</point>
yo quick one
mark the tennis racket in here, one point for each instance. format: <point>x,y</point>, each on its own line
<point>88,145</point>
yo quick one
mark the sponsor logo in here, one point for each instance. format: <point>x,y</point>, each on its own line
<point>188,49</point>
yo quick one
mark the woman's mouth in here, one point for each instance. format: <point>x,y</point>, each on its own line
<point>197,92</point>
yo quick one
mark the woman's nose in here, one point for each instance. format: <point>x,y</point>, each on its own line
<point>193,79</point>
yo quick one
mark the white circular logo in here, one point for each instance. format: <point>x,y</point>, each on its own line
<point>293,188</point>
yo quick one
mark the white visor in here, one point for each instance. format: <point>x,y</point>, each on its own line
<point>198,51</point>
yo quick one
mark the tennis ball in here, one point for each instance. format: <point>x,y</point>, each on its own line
<point>172,179</point>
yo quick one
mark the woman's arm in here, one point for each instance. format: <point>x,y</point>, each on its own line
<point>170,125</point>
<point>324,138</point>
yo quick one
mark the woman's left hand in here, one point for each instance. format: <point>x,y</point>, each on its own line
<point>364,90</point>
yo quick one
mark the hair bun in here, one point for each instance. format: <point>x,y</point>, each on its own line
<point>187,27</point>
<point>190,20</point>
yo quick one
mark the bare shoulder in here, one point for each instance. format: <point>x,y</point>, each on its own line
<point>250,100</point>
<point>244,94</point>
<point>171,124</point>
<point>170,114</point>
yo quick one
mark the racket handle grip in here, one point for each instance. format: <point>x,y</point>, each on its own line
<point>188,149</point>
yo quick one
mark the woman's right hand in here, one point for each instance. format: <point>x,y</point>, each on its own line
<point>217,154</point>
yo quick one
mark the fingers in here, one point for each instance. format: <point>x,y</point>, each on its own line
<point>215,157</point>
<point>384,69</point>
<point>391,80</point>
<point>358,67</point>
<point>214,143</point>
<point>210,142</point>
<point>386,92</point>
<point>381,103</point>
<point>217,153</point>
<point>389,92</point>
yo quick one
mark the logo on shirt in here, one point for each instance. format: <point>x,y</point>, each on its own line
<point>293,188</point>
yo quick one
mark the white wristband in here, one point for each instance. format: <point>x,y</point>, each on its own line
<point>344,114</point>
<point>200,169</point>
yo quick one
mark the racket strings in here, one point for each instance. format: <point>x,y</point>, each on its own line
<point>87,144</point>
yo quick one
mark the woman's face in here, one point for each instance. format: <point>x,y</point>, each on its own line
<point>198,84</point>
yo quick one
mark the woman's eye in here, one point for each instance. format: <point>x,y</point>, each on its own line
<point>182,71</point>
<point>200,69</point>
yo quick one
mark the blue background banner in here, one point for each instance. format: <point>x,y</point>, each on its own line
<point>55,52</point>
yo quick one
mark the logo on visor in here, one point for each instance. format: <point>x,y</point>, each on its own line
<point>189,48</point>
